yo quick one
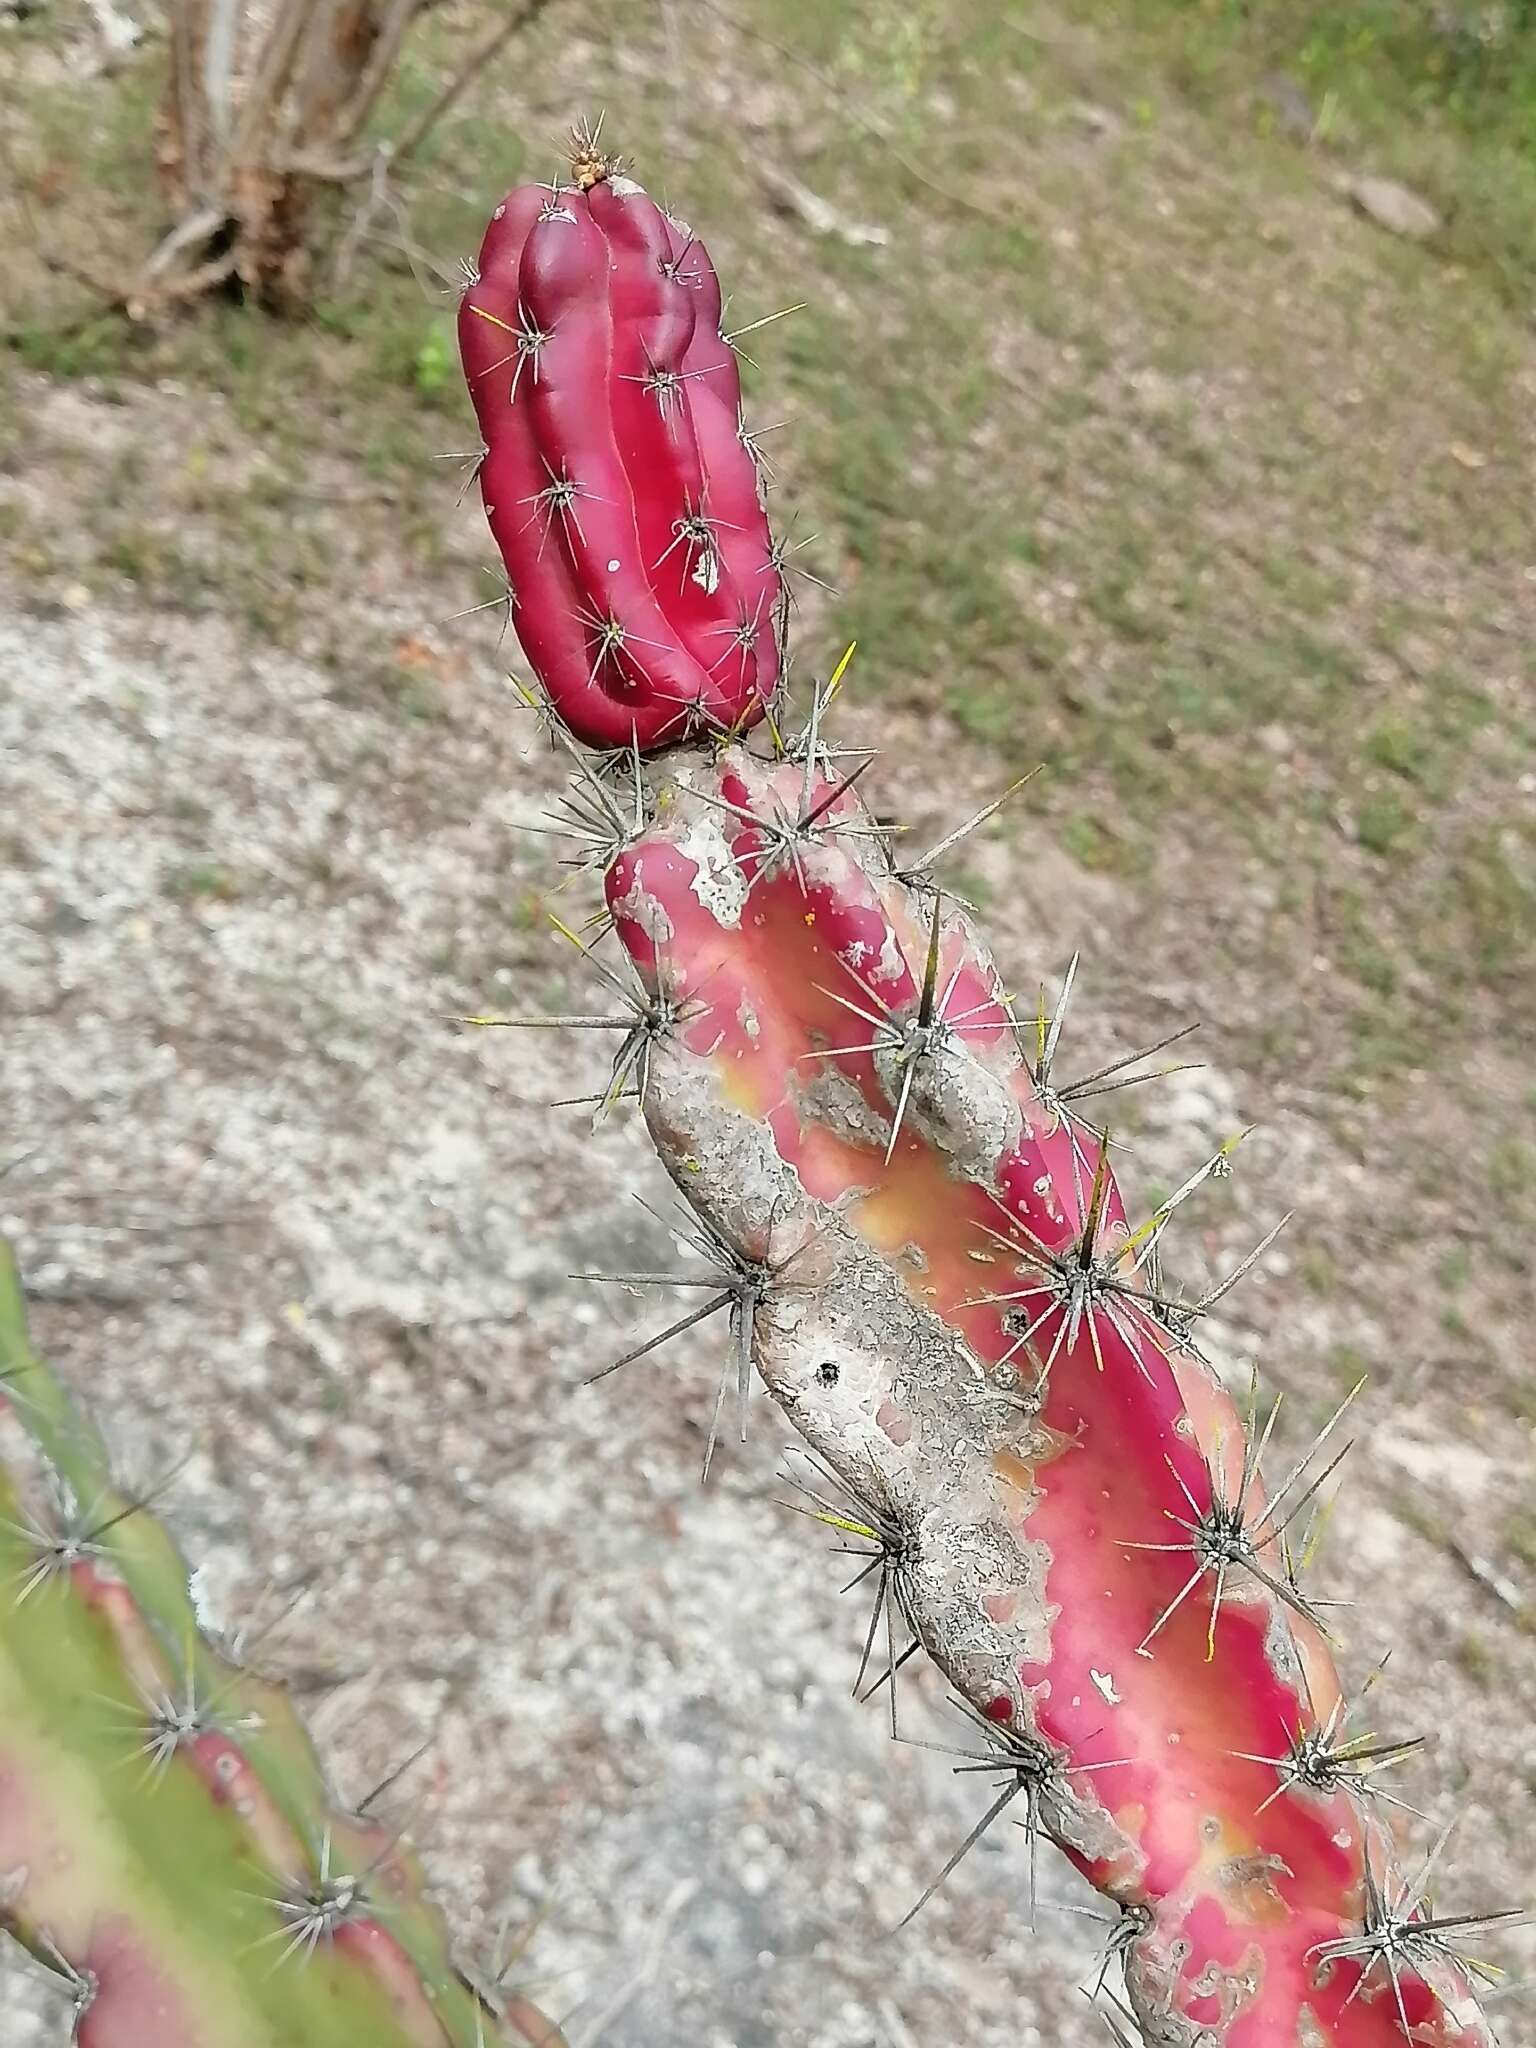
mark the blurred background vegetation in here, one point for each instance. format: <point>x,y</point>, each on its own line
<point>1440,95</point>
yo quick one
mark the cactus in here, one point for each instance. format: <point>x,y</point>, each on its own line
<point>916,1230</point>
<point>624,497</point>
<point>169,1847</point>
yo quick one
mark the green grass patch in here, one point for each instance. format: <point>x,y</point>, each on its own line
<point>1441,97</point>
<point>207,881</point>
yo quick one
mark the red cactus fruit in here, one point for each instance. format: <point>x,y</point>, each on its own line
<point>645,588</point>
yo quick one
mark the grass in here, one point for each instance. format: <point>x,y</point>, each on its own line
<point>207,881</point>
<point>1520,1536</point>
<point>1442,97</point>
<point>390,686</point>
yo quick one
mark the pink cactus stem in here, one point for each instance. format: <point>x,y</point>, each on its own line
<point>966,1329</point>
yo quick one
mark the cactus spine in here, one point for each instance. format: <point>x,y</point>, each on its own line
<point>919,1234</point>
<point>169,1846</point>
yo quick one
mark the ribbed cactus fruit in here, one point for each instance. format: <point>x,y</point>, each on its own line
<point>914,1224</point>
<point>644,584</point>
<point>169,1846</point>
